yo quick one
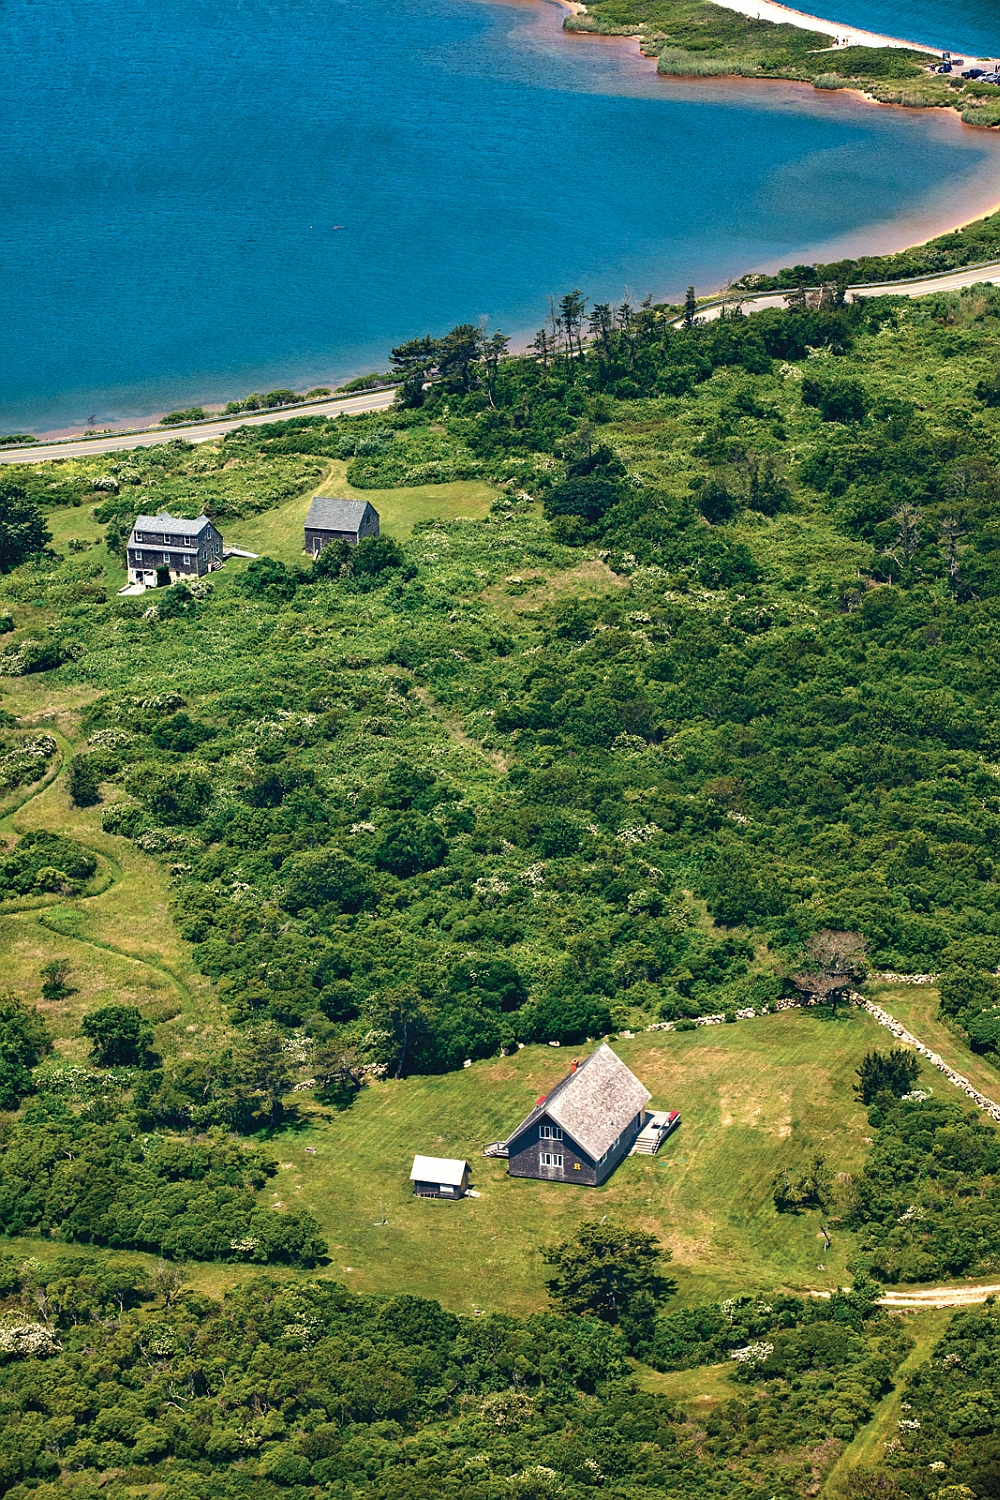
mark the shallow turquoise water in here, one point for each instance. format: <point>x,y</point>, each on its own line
<point>174,174</point>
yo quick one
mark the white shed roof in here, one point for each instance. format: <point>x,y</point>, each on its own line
<point>439,1169</point>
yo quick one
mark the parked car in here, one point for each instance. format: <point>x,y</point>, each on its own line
<point>944,68</point>
<point>974,73</point>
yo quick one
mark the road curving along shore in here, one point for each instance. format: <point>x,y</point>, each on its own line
<point>198,432</point>
<point>917,286</point>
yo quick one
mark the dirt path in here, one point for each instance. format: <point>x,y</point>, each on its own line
<point>939,1296</point>
<point>34,909</point>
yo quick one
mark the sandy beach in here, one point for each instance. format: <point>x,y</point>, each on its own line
<point>844,36</point>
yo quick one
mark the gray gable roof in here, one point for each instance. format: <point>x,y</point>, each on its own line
<point>329,514</point>
<point>171,525</point>
<point>594,1104</point>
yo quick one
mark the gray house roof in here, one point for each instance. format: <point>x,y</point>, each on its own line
<point>171,525</point>
<point>329,514</point>
<point>593,1104</point>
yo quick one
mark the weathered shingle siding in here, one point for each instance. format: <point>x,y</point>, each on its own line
<point>525,1152</point>
<point>331,520</point>
<point>204,549</point>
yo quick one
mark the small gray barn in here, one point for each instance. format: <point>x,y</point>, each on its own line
<point>330,520</point>
<point>187,549</point>
<point>439,1177</point>
<point>584,1127</point>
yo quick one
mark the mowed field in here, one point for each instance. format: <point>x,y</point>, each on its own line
<point>279,532</point>
<point>754,1097</point>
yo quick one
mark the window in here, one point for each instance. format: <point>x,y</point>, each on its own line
<point>187,561</point>
<point>551,1159</point>
<point>550,1132</point>
<point>138,557</point>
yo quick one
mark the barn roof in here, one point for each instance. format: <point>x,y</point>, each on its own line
<point>440,1169</point>
<point>326,513</point>
<point>594,1103</point>
<point>171,525</point>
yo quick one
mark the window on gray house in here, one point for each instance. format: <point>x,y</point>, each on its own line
<point>551,1159</point>
<point>550,1133</point>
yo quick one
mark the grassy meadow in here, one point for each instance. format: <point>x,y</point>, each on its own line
<point>753,1098</point>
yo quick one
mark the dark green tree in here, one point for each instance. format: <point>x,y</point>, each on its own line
<point>813,1188</point>
<point>610,1271</point>
<point>119,1036</point>
<point>896,1071</point>
<point>84,782</point>
<point>374,555</point>
<point>458,354</point>
<point>261,1070</point>
<point>55,980</point>
<point>24,1040</point>
<point>410,845</point>
<point>324,877</point>
<point>397,1020</point>
<point>22,527</point>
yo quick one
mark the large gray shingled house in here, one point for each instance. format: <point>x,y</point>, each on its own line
<point>584,1127</point>
<point>187,549</point>
<point>330,520</point>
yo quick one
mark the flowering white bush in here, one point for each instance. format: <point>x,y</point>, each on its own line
<point>752,1354</point>
<point>27,1340</point>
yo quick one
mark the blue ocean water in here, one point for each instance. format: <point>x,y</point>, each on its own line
<point>199,200</point>
<point>973,25</point>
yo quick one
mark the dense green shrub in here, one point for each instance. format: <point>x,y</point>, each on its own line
<point>106,1185</point>
<point>42,861</point>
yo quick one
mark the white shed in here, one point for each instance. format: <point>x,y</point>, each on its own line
<point>439,1177</point>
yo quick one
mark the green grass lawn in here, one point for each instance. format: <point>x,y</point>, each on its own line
<point>279,532</point>
<point>754,1097</point>
<point>916,1007</point>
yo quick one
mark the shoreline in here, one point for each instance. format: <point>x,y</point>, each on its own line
<point>633,44</point>
<point>853,36</point>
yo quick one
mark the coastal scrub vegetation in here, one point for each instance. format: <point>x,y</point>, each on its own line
<point>697,716</point>
<point>719,654</point>
<point>697,39</point>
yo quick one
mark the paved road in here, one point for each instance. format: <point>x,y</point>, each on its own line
<point>948,281</point>
<point>199,433</point>
<point>919,286</point>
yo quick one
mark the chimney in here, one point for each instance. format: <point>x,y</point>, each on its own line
<point>574,1065</point>
<point>540,1101</point>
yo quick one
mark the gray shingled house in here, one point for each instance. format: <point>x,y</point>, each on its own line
<point>187,549</point>
<point>330,520</point>
<point>584,1127</point>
